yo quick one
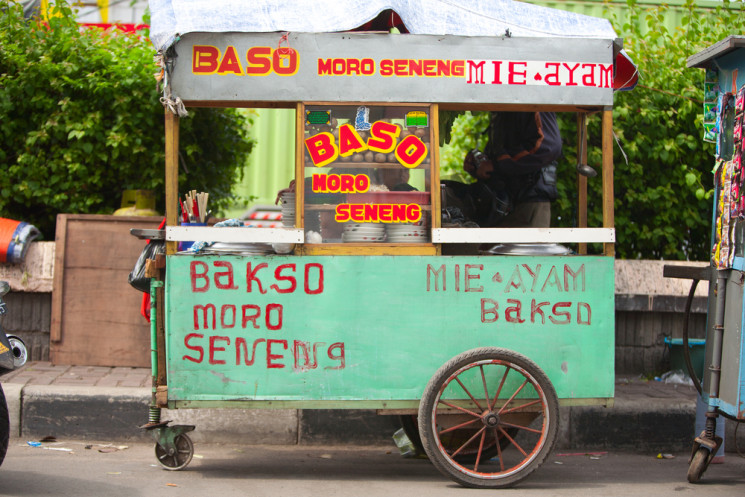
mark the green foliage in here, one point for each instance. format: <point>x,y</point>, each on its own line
<point>663,192</point>
<point>466,133</point>
<point>663,187</point>
<point>80,121</point>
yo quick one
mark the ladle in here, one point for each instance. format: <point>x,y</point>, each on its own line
<point>584,169</point>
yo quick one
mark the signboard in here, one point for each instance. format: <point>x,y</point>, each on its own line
<point>378,327</point>
<point>392,68</point>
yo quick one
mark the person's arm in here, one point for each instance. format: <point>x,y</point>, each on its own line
<point>539,150</point>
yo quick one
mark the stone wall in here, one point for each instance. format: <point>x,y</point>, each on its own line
<point>649,308</point>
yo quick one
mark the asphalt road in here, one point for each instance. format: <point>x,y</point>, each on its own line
<point>68,468</point>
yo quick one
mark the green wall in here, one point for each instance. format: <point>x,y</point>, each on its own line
<point>271,165</point>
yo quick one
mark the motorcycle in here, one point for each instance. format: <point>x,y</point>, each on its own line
<point>13,355</point>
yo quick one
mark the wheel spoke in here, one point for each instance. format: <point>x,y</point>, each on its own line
<point>469,394</point>
<point>508,411</point>
<point>459,408</point>
<point>499,450</point>
<point>468,442</point>
<point>501,384</point>
<point>513,395</point>
<point>510,425</point>
<point>512,440</point>
<point>462,425</point>
<point>486,390</point>
<point>481,450</point>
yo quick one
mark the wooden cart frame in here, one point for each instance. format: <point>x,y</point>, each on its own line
<point>488,416</point>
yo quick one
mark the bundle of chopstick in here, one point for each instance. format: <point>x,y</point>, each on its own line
<point>194,207</point>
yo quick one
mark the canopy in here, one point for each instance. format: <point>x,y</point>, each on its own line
<point>173,18</point>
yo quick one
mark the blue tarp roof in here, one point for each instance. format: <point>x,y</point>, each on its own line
<point>171,18</point>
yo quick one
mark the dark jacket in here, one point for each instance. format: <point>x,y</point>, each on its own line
<point>524,147</point>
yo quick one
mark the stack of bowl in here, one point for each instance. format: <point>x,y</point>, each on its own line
<point>288,209</point>
<point>363,233</point>
<point>406,233</point>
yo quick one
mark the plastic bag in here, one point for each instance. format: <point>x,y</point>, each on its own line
<point>137,276</point>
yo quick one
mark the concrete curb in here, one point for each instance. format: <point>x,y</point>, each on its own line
<point>102,413</point>
<point>13,394</point>
<point>89,412</point>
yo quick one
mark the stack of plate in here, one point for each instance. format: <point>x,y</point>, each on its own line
<point>363,233</point>
<point>288,209</point>
<point>406,233</point>
<point>239,248</point>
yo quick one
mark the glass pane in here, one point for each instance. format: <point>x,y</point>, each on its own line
<point>367,174</point>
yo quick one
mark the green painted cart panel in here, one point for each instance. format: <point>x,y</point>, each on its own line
<point>376,328</point>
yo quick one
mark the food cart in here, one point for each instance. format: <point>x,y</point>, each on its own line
<point>722,387</point>
<point>368,299</point>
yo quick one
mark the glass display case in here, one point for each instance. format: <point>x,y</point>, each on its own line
<point>367,173</point>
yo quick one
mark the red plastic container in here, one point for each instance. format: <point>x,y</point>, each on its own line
<point>421,198</point>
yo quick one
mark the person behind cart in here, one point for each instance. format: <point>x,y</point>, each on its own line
<point>395,179</point>
<point>516,173</point>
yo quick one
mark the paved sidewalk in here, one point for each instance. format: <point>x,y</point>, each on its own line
<point>45,373</point>
<point>110,403</point>
<point>628,388</point>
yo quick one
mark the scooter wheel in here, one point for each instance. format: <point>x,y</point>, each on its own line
<point>698,464</point>
<point>4,426</point>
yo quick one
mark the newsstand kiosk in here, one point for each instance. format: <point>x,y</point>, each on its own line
<point>723,385</point>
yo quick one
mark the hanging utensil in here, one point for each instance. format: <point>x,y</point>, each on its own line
<point>584,169</point>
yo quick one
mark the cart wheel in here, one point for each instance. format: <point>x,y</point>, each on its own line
<point>506,403</point>
<point>698,465</point>
<point>179,459</point>
<point>410,425</point>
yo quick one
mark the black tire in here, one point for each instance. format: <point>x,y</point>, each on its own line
<point>4,426</point>
<point>475,385</point>
<point>698,464</point>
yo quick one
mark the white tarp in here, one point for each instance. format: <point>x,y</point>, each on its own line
<point>171,18</point>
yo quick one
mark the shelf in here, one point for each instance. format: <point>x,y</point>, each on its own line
<point>358,249</point>
<point>363,165</point>
<point>330,207</point>
<point>524,235</point>
<point>148,234</point>
<point>234,234</point>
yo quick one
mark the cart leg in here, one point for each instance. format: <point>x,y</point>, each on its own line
<point>704,449</point>
<point>173,447</point>
<point>707,444</point>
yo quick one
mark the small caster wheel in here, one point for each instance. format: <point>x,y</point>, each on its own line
<point>698,464</point>
<point>184,451</point>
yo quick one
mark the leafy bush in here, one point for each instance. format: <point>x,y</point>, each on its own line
<point>663,194</point>
<point>80,121</point>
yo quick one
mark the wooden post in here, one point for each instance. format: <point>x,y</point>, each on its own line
<point>300,165</point>
<point>300,171</point>
<point>434,140</point>
<point>608,194</point>
<point>581,180</point>
<point>172,209</point>
<point>58,286</point>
